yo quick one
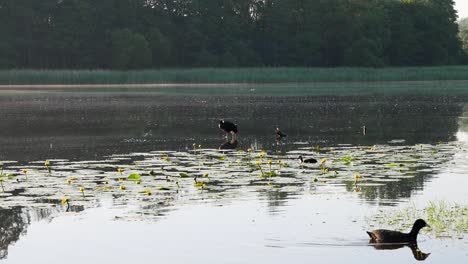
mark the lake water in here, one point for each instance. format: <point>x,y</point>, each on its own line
<point>414,152</point>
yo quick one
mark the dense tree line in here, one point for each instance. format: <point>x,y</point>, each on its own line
<point>129,34</point>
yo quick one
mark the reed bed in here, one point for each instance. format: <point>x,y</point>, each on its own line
<point>233,75</point>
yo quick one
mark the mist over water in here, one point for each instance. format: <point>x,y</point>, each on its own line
<point>84,126</point>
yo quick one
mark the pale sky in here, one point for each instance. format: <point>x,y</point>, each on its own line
<point>462,8</point>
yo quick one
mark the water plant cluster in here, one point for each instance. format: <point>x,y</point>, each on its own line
<point>155,181</point>
<point>445,218</point>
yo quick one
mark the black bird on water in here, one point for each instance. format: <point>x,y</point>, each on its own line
<point>390,236</point>
<point>309,160</point>
<point>279,135</point>
<point>228,127</point>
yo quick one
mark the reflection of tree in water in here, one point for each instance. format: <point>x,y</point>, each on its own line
<point>275,199</point>
<point>14,222</point>
<point>393,190</point>
<point>463,121</point>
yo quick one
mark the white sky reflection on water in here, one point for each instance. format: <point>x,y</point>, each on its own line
<point>462,136</point>
<point>324,226</point>
<point>328,229</point>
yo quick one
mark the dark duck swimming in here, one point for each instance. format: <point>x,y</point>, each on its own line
<point>390,236</point>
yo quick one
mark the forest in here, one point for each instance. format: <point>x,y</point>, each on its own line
<point>144,34</point>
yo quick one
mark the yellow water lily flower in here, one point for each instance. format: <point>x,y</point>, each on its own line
<point>122,187</point>
<point>64,200</point>
<point>249,150</point>
<point>270,162</point>
<point>24,171</point>
<point>148,192</point>
<point>257,162</point>
<point>82,189</point>
<point>200,184</point>
<point>120,170</point>
<point>357,176</point>
<point>47,163</point>
<point>323,160</point>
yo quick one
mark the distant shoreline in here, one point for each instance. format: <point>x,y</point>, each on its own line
<point>214,85</point>
<point>207,77</point>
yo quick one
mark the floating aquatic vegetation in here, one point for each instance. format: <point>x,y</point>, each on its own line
<point>134,177</point>
<point>47,164</point>
<point>1,183</point>
<point>167,175</point>
<point>446,219</point>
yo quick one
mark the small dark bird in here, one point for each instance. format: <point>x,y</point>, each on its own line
<point>390,236</point>
<point>309,160</point>
<point>228,127</point>
<point>279,135</point>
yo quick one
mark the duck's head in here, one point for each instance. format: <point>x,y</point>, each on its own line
<point>418,225</point>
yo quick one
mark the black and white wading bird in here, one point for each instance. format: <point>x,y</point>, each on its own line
<point>309,160</point>
<point>228,127</point>
<point>279,135</point>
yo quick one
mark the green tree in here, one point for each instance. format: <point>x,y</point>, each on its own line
<point>129,50</point>
<point>364,53</point>
<point>128,34</point>
<point>160,48</point>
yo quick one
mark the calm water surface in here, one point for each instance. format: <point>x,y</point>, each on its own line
<point>300,222</point>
